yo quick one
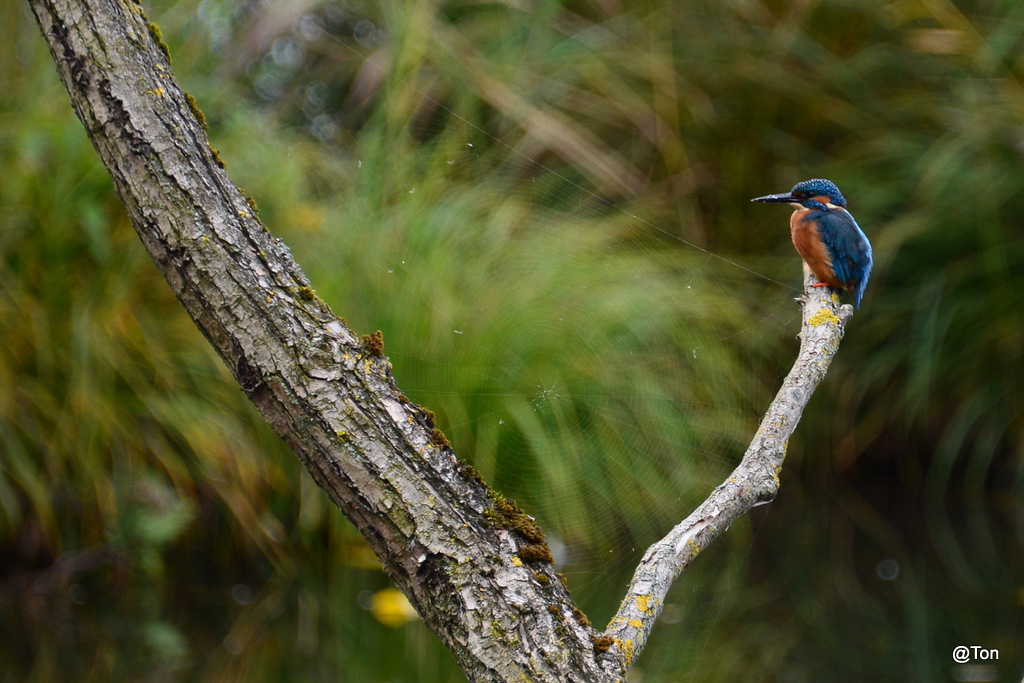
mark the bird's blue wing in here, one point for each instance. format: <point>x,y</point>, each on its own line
<point>849,248</point>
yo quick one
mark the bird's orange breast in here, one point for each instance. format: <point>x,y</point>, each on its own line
<point>809,244</point>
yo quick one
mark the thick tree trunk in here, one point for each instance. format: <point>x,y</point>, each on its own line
<point>474,566</point>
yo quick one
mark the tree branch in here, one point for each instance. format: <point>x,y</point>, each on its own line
<point>754,482</point>
<point>474,566</point>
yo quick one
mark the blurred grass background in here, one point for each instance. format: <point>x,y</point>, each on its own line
<point>591,361</point>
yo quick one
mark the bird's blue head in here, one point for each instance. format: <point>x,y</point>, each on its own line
<point>816,193</point>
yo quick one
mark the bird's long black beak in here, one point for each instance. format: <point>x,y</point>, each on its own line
<point>783,198</point>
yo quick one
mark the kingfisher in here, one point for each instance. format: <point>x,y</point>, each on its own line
<point>825,234</point>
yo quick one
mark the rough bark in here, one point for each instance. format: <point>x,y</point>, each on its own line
<point>474,566</point>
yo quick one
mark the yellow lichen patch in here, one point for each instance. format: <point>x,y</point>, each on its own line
<point>823,316</point>
<point>636,623</point>
<point>243,214</point>
<point>643,603</point>
<point>516,561</point>
<point>159,92</point>
<point>628,650</point>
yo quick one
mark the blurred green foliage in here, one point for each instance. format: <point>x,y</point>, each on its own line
<point>592,361</point>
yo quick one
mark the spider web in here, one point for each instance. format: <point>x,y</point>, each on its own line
<point>600,370</point>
